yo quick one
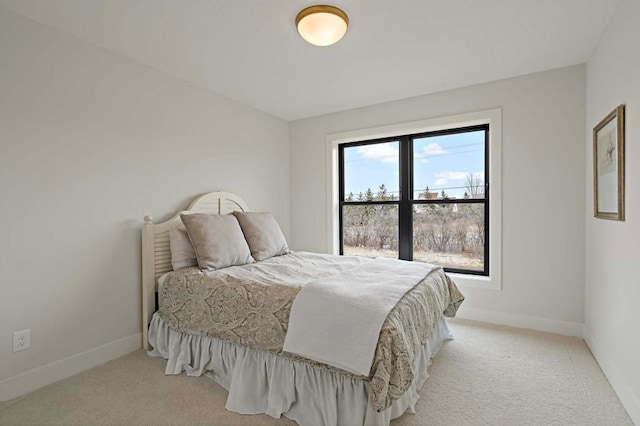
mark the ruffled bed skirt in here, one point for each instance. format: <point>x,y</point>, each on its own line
<point>262,382</point>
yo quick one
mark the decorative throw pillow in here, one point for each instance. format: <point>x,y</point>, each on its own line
<point>263,234</point>
<point>182,252</point>
<point>217,240</point>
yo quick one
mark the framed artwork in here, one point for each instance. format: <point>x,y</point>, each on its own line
<point>608,166</point>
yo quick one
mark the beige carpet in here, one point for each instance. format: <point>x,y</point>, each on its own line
<point>489,375</point>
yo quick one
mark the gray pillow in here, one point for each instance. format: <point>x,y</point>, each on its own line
<point>217,240</point>
<point>263,234</point>
<point>182,252</point>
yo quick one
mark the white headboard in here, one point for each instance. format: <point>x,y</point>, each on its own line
<point>156,255</point>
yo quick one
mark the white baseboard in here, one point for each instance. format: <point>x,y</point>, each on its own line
<point>565,328</point>
<point>618,381</point>
<point>37,378</point>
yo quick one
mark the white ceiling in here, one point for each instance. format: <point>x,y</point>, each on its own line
<point>249,50</point>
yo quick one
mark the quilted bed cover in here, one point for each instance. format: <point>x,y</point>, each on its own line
<point>250,305</point>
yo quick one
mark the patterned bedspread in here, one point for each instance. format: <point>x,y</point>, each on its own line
<point>250,305</point>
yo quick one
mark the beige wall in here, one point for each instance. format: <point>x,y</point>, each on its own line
<point>612,315</point>
<point>90,142</point>
<point>543,164</point>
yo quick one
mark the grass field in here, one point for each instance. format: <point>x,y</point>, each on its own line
<point>451,260</point>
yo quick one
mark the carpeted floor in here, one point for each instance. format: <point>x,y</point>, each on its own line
<point>489,375</point>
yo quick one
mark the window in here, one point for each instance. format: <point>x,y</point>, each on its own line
<point>421,196</point>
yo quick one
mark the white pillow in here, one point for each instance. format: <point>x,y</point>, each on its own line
<point>182,253</point>
<point>263,234</point>
<point>217,239</point>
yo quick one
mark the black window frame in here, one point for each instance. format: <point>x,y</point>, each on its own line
<point>405,201</point>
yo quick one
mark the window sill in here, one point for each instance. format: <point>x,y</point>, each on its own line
<point>475,281</point>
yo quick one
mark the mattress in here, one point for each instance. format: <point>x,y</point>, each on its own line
<point>250,305</point>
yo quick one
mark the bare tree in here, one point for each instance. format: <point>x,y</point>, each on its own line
<point>474,186</point>
<point>384,223</point>
<point>475,189</point>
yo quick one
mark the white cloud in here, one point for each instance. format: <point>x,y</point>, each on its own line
<point>429,151</point>
<point>452,175</point>
<point>433,149</point>
<point>443,178</point>
<point>381,152</point>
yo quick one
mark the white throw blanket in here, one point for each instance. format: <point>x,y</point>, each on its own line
<point>337,320</point>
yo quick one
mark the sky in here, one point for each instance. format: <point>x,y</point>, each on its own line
<point>440,162</point>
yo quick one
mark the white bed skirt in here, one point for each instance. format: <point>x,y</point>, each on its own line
<point>262,382</point>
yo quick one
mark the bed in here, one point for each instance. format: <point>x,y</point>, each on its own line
<point>233,325</point>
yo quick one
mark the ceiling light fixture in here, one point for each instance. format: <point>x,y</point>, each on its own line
<point>322,25</point>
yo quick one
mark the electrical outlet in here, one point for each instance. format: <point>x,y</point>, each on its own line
<point>21,340</point>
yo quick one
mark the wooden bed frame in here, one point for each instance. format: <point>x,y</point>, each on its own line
<point>156,255</point>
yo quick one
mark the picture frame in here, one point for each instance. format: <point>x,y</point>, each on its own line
<point>608,166</point>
